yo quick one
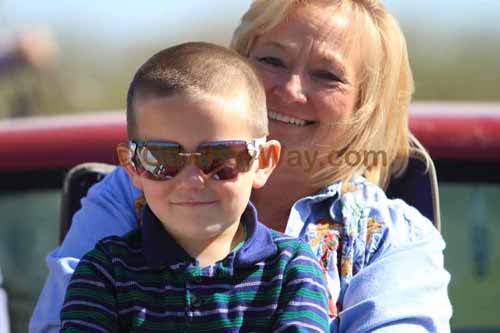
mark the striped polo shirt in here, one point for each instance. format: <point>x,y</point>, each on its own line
<point>146,282</point>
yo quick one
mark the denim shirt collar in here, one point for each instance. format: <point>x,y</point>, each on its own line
<point>161,249</point>
<point>303,208</point>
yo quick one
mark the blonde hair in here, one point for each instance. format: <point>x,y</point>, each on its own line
<point>380,122</point>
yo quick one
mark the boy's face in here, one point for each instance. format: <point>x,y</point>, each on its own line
<point>189,205</point>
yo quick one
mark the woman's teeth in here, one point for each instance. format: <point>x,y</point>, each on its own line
<point>287,119</point>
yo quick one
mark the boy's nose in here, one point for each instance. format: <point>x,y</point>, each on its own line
<point>190,178</point>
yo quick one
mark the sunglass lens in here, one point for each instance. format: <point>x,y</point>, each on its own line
<point>160,162</point>
<point>223,161</point>
<point>227,170</point>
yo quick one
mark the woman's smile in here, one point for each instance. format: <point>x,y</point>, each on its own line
<point>289,120</point>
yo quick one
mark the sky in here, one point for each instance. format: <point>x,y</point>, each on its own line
<point>119,21</point>
<point>111,37</point>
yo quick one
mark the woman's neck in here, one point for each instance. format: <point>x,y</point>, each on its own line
<point>276,198</point>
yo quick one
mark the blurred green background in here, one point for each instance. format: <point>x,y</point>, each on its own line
<point>454,47</point>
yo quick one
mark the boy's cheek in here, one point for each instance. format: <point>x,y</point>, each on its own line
<point>153,189</point>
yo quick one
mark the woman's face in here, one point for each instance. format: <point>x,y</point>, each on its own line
<point>309,77</point>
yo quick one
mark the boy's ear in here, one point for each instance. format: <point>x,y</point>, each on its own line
<point>125,158</point>
<point>268,160</point>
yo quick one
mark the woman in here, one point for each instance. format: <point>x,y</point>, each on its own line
<point>338,83</point>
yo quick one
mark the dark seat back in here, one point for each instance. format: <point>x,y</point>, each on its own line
<point>418,187</point>
<point>76,184</point>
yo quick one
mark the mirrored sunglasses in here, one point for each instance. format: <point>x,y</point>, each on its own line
<point>218,160</point>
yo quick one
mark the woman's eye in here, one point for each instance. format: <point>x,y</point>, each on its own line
<point>276,62</point>
<point>327,76</point>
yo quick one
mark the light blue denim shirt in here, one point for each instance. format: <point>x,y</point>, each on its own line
<point>383,261</point>
<point>4,313</point>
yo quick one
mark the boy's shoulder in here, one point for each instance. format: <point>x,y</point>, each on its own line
<point>119,246</point>
<point>294,254</point>
<point>289,244</point>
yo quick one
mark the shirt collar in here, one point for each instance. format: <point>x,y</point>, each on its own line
<point>160,249</point>
<point>303,208</point>
<point>259,244</point>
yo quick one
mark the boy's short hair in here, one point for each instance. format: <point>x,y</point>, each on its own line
<point>199,69</point>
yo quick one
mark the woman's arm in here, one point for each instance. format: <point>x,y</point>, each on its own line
<point>404,290</point>
<point>399,283</point>
<point>107,210</point>
<point>4,314</point>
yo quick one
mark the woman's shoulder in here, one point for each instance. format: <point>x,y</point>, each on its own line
<point>109,208</point>
<point>117,181</point>
<point>362,200</point>
<point>372,219</point>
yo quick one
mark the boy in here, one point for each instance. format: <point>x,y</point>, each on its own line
<point>201,262</point>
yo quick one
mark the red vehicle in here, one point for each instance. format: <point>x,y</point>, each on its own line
<point>463,139</point>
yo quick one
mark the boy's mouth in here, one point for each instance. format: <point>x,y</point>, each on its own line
<point>192,203</point>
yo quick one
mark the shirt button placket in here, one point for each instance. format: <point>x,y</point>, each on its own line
<point>196,301</point>
<point>188,300</point>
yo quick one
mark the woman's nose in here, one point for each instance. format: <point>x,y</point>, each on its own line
<point>293,89</point>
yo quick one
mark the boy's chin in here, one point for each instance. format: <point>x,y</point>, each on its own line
<point>207,232</point>
<point>198,229</point>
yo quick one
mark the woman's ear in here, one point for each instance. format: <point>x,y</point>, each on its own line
<point>125,158</point>
<point>268,160</point>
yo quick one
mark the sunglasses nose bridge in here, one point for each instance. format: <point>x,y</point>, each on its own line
<point>190,159</point>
